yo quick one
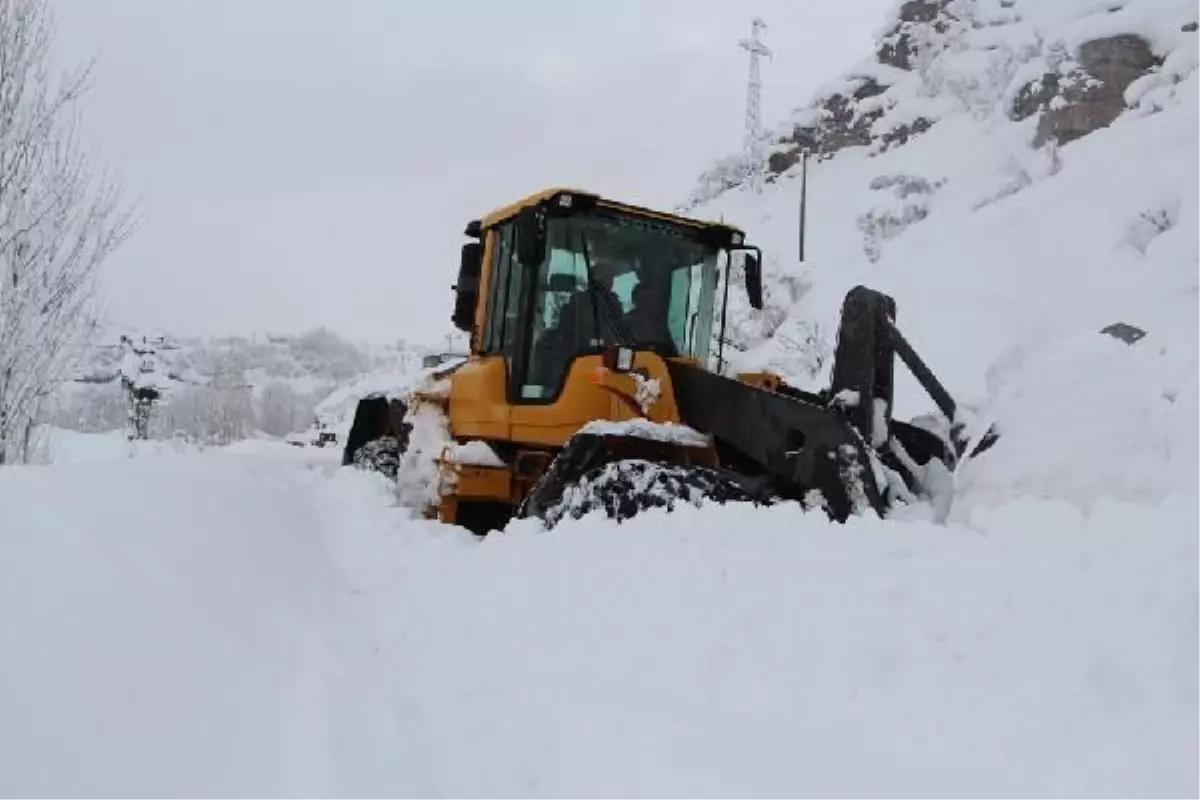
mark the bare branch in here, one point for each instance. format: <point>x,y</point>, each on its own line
<point>59,220</point>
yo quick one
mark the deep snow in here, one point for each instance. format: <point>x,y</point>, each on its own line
<point>260,623</point>
<point>724,652</point>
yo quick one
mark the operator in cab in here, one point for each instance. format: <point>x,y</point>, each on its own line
<point>646,321</point>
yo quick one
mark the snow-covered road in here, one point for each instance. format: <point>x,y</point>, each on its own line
<point>177,625</point>
<point>265,624</point>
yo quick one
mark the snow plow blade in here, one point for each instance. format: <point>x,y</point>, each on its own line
<point>377,434</point>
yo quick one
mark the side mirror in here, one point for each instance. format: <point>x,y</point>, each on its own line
<point>531,237</point>
<point>754,290</point>
<point>466,291</point>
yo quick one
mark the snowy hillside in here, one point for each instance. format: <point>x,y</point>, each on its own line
<point>984,233</point>
<point>1006,251</point>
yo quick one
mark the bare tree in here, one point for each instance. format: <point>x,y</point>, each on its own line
<point>59,220</point>
<point>282,410</point>
<point>230,404</point>
<point>215,413</point>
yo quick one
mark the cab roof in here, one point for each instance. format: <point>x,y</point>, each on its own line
<point>508,212</point>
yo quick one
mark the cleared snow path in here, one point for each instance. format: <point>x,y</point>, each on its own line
<point>176,626</point>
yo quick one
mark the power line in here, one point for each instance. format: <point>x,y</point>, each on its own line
<point>752,145</point>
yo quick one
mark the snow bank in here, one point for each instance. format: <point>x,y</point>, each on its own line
<point>732,652</point>
<point>1088,418</point>
<point>174,627</point>
<point>63,446</point>
<point>337,408</point>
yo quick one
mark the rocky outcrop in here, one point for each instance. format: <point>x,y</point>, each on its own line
<point>1087,97</point>
<point>902,133</point>
<point>843,121</point>
<point>900,46</point>
<point>849,118</point>
<point>845,118</point>
<point>939,57</point>
<point>841,124</point>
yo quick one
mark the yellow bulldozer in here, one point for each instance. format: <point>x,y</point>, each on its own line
<point>595,380</point>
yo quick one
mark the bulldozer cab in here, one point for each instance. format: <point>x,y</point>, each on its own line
<point>614,281</point>
<point>566,274</point>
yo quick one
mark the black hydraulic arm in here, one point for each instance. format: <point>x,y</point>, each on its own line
<point>801,444</point>
<point>921,371</point>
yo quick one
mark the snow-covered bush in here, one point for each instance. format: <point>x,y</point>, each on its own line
<point>907,205</point>
<point>217,413</point>
<point>1149,225</point>
<point>91,408</point>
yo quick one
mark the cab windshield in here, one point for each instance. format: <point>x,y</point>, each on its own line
<point>611,279</point>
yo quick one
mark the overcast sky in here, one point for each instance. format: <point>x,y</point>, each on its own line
<point>303,163</point>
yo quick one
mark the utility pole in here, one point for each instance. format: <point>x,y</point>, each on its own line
<point>753,138</point>
<point>142,395</point>
<point>803,198</point>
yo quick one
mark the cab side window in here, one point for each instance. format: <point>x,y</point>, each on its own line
<point>501,331</point>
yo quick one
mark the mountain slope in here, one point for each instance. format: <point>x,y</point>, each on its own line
<point>983,238</point>
<point>1007,259</point>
